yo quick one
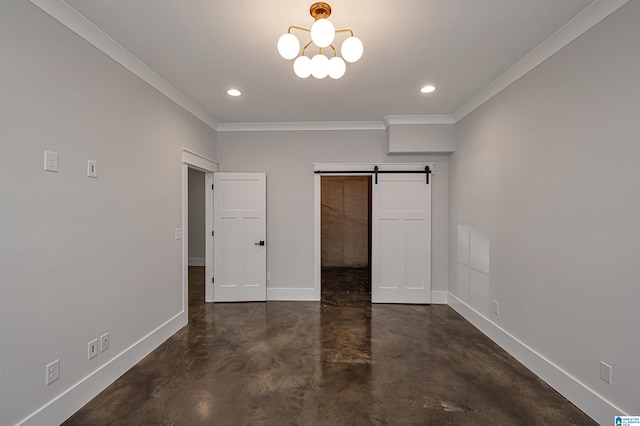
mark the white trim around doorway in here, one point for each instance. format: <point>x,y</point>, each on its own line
<point>196,161</point>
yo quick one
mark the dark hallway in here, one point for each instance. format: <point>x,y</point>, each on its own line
<point>310,363</point>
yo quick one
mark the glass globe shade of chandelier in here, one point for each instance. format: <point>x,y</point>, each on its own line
<point>323,34</point>
<point>302,66</point>
<point>288,46</point>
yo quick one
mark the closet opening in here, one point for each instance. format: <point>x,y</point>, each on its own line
<point>345,235</point>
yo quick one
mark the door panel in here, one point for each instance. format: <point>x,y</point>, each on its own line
<point>388,248</point>
<point>414,253</point>
<point>239,224</point>
<point>401,270</point>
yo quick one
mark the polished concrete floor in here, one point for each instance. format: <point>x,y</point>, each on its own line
<point>338,362</point>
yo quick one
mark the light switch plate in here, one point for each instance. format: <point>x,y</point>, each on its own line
<point>105,341</point>
<point>92,349</point>
<point>92,168</point>
<point>178,233</point>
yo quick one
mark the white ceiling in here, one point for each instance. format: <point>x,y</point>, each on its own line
<point>204,47</point>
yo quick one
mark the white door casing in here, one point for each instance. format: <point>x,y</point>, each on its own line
<point>401,241</point>
<point>197,161</point>
<point>239,223</point>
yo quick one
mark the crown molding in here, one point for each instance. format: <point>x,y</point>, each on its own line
<point>418,119</point>
<point>581,23</point>
<point>302,126</point>
<point>72,19</point>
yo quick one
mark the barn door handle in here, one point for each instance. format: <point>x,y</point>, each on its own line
<point>261,243</point>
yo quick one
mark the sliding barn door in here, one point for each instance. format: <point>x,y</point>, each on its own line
<point>401,264</point>
<point>239,223</point>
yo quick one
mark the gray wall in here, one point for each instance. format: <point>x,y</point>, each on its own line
<point>79,256</point>
<point>287,158</point>
<point>541,213</point>
<point>196,218</point>
<point>544,209</point>
<point>421,138</point>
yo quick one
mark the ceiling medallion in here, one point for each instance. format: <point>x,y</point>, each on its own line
<point>322,37</point>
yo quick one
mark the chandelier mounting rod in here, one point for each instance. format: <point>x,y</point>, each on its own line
<point>320,10</point>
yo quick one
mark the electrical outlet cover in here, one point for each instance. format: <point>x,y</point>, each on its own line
<point>51,161</point>
<point>606,372</point>
<point>53,372</point>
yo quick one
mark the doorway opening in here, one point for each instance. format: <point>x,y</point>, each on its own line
<point>196,239</point>
<point>192,160</point>
<point>345,235</point>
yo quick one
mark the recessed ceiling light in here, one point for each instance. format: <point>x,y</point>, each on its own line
<point>428,89</point>
<point>234,92</point>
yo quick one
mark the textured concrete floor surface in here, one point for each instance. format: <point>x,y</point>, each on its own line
<point>339,362</point>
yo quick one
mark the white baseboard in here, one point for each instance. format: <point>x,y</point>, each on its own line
<point>594,405</point>
<point>64,405</point>
<point>293,294</point>
<point>68,402</point>
<point>439,297</point>
<point>197,261</point>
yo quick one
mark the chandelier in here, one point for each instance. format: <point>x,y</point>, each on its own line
<point>322,37</point>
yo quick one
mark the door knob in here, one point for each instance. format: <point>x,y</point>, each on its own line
<point>261,243</point>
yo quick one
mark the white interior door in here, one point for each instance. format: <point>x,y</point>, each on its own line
<point>239,223</point>
<point>401,244</point>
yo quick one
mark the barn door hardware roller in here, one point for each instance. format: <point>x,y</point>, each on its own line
<point>376,171</point>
